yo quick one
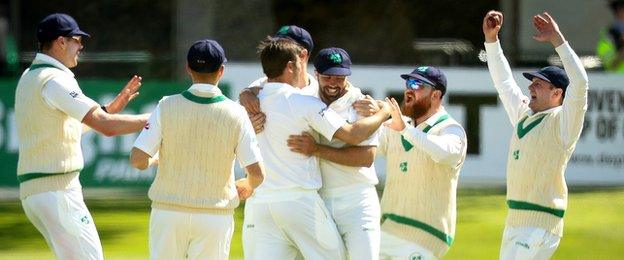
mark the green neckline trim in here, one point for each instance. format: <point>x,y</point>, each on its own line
<point>442,118</point>
<point>522,131</point>
<point>421,225</point>
<point>36,175</point>
<point>42,65</point>
<point>202,100</point>
<point>408,146</point>
<point>523,205</point>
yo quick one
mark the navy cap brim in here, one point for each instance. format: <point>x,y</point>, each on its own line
<point>336,71</point>
<point>417,76</point>
<point>531,75</point>
<point>79,32</point>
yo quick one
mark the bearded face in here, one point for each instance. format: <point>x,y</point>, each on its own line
<point>416,102</point>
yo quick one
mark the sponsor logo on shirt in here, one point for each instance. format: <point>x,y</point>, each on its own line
<point>73,94</point>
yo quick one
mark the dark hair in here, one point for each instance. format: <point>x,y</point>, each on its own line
<point>46,45</point>
<point>275,53</point>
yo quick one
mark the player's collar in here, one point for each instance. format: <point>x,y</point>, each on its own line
<point>41,58</point>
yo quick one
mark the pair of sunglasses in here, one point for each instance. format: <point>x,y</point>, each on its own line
<point>413,83</point>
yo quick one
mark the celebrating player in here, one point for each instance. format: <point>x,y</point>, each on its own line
<point>50,109</point>
<point>547,126</point>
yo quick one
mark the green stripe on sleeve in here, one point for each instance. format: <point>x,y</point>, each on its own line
<point>523,205</point>
<point>420,225</point>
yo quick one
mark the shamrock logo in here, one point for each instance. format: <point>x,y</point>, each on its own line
<point>335,57</point>
<point>403,166</point>
<point>423,68</point>
<point>283,30</point>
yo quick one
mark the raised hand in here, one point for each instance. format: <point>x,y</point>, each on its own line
<point>397,123</point>
<point>492,23</point>
<point>303,144</point>
<point>366,106</point>
<point>129,92</point>
<point>547,29</point>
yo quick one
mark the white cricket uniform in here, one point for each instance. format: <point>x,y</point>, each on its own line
<point>62,216</point>
<point>349,192</point>
<point>193,235</point>
<point>286,216</point>
<point>312,89</point>
<point>446,148</point>
<point>532,242</point>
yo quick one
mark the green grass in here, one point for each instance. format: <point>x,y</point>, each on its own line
<point>594,228</point>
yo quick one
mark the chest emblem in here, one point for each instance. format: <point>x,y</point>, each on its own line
<point>403,167</point>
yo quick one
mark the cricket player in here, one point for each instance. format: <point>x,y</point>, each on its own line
<point>308,84</point>
<point>50,110</point>
<point>347,172</point>
<point>547,126</point>
<point>423,162</point>
<point>197,134</point>
<point>286,215</point>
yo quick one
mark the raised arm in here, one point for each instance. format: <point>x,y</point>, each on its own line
<point>354,134</point>
<point>575,100</point>
<point>514,101</point>
<point>114,124</point>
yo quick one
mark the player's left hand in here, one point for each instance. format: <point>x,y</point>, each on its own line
<point>303,144</point>
<point>243,188</point>
<point>366,106</point>
<point>547,29</point>
<point>397,123</point>
<point>129,92</point>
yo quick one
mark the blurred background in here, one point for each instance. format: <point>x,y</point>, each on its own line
<point>384,38</point>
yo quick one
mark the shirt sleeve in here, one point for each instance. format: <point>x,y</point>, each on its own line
<point>321,118</point>
<point>382,148</point>
<point>247,150</point>
<point>514,101</point>
<point>575,101</point>
<point>150,138</point>
<point>63,93</point>
<point>447,148</point>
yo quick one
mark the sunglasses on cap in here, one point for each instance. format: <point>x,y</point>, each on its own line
<point>413,83</point>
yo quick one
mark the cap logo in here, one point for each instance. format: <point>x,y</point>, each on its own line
<point>283,30</point>
<point>422,69</point>
<point>336,58</point>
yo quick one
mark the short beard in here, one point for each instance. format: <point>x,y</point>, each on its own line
<point>418,109</point>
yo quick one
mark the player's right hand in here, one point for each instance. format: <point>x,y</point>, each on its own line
<point>257,121</point>
<point>243,188</point>
<point>492,23</point>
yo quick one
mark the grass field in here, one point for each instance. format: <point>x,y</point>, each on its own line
<point>594,228</point>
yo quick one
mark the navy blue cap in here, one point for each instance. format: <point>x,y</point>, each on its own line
<point>205,56</point>
<point>57,24</point>
<point>333,62</point>
<point>298,34</point>
<point>429,75</point>
<point>553,74</point>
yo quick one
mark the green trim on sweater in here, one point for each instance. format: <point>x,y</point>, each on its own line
<point>523,205</point>
<point>420,225</point>
<point>36,175</point>
<point>522,131</point>
<point>202,100</point>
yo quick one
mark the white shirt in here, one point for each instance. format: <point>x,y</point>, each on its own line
<point>289,113</point>
<point>63,93</point>
<point>516,103</point>
<point>336,175</point>
<point>447,148</point>
<point>312,89</point>
<point>246,151</point>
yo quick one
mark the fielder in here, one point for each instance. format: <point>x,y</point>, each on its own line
<point>423,163</point>
<point>546,128</point>
<point>197,134</point>
<point>347,172</point>
<point>50,111</point>
<point>307,84</point>
<point>286,216</point>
